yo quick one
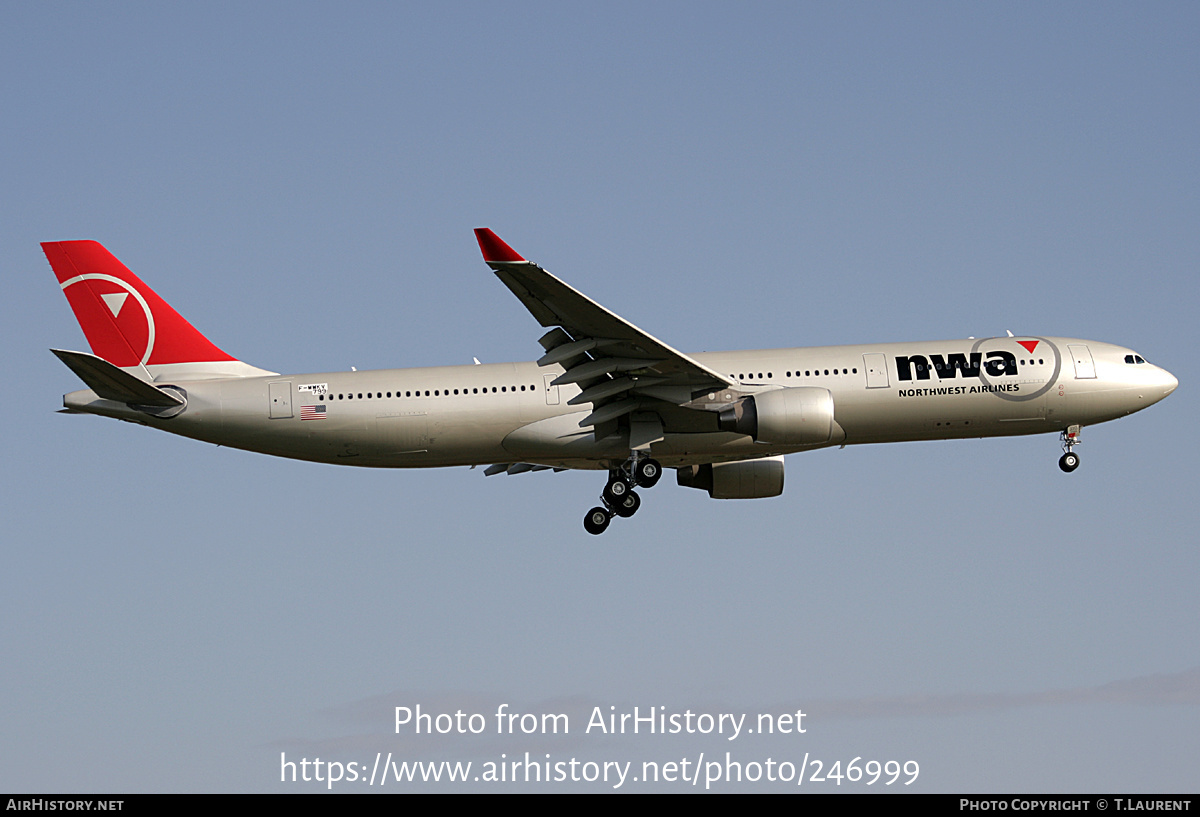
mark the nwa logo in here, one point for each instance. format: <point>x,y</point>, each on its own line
<point>997,364</point>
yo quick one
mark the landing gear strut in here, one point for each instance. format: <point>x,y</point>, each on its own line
<point>1069,461</point>
<point>618,496</point>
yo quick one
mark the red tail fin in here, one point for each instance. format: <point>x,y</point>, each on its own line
<point>124,320</point>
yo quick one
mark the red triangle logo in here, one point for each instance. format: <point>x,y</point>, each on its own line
<point>1029,345</point>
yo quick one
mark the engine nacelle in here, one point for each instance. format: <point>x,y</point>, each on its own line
<point>797,416</point>
<point>745,479</point>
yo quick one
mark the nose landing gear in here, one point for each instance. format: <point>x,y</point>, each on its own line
<point>1069,461</point>
<point>618,497</point>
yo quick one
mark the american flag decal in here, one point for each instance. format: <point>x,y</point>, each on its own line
<point>312,412</point>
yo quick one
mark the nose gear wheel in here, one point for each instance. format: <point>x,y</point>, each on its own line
<point>1069,461</point>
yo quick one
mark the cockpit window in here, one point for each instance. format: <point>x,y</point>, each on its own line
<point>1139,358</point>
<point>1134,359</point>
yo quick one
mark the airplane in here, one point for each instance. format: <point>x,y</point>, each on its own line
<point>605,395</point>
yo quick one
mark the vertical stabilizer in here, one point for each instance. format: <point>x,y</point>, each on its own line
<point>127,323</point>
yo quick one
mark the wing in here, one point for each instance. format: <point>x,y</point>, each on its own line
<point>620,368</point>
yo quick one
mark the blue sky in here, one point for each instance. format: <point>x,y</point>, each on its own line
<point>300,181</point>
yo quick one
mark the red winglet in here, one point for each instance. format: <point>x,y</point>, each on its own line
<point>493,248</point>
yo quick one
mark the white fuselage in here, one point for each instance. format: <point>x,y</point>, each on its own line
<point>510,412</point>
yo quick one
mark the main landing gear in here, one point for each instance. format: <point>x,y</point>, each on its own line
<point>1069,461</point>
<point>618,496</point>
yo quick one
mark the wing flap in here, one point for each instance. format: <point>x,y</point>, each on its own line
<point>610,388</point>
<point>511,468</point>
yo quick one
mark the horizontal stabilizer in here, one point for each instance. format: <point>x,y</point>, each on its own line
<point>112,383</point>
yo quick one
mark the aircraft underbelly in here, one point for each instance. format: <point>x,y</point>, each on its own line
<point>401,432</point>
<point>938,411</point>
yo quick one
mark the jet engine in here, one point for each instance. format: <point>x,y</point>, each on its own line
<point>744,479</point>
<point>795,416</point>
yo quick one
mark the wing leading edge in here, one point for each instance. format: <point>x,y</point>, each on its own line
<point>620,368</point>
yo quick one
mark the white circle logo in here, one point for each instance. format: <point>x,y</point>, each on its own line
<point>100,276</point>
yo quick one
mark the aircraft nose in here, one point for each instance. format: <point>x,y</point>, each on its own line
<point>1169,382</point>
